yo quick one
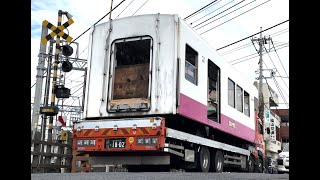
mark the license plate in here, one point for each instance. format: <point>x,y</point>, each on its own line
<point>116,143</point>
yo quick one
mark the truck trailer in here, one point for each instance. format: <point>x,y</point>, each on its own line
<point>157,95</point>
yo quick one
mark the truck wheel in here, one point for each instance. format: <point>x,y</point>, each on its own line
<point>260,167</point>
<point>217,161</point>
<point>250,164</point>
<point>204,159</point>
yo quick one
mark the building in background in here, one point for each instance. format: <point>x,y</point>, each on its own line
<point>284,127</point>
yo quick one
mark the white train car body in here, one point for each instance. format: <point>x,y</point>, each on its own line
<point>172,78</point>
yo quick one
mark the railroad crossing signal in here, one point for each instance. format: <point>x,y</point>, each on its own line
<point>57,31</point>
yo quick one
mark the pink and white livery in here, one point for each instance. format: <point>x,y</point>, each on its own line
<point>154,71</point>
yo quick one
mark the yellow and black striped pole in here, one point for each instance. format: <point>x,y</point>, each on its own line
<point>55,69</point>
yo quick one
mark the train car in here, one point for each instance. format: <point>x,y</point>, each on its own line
<point>158,94</point>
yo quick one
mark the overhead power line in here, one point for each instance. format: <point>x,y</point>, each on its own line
<point>140,7</point>
<point>236,49</point>
<point>280,60</point>
<point>211,12</point>
<point>252,35</point>
<point>124,9</point>
<point>235,17</point>
<point>249,55</point>
<point>223,15</point>
<point>272,96</point>
<point>250,43</point>
<point>97,22</point>
<point>277,85</point>
<point>256,56</point>
<point>275,66</point>
<point>199,10</point>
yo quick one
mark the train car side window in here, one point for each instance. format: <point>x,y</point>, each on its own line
<point>246,104</point>
<point>231,98</point>
<point>239,98</point>
<point>191,65</point>
<point>213,92</point>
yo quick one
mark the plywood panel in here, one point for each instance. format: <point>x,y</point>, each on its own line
<point>131,81</point>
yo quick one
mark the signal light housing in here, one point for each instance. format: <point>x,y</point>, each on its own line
<point>62,92</point>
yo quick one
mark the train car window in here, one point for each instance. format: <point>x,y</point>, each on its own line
<point>239,98</point>
<point>213,112</point>
<point>191,65</point>
<point>246,104</point>
<point>231,97</point>
<point>130,81</point>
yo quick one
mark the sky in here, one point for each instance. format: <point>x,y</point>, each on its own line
<point>225,29</point>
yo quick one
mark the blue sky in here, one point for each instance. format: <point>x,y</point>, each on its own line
<point>86,13</point>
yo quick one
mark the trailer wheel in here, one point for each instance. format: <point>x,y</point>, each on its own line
<point>204,159</point>
<point>217,161</point>
<point>250,164</point>
<point>259,166</point>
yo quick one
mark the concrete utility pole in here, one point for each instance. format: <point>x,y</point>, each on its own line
<point>39,82</point>
<point>261,41</point>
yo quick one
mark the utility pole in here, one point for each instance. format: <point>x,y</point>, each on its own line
<point>46,98</point>
<point>39,82</point>
<point>261,41</point>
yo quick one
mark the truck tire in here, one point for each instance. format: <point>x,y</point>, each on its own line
<point>259,165</point>
<point>204,159</point>
<point>250,164</point>
<point>217,161</point>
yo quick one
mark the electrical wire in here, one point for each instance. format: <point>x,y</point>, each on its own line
<point>201,9</point>
<point>74,80</point>
<point>253,35</point>
<point>275,66</point>
<point>271,94</point>
<point>79,56</point>
<point>220,13</point>
<point>97,22</point>
<point>77,85</point>
<point>280,60</point>
<point>249,44</point>
<point>277,85</point>
<point>234,17</point>
<point>236,49</point>
<point>140,7</point>
<point>211,12</point>
<point>124,9</point>
<point>247,56</point>
<point>257,56</point>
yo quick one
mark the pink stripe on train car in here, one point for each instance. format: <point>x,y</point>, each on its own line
<point>198,112</point>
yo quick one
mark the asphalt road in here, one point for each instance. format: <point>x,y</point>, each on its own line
<point>158,176</point>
